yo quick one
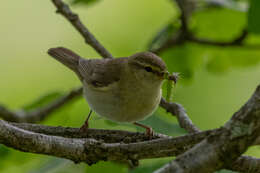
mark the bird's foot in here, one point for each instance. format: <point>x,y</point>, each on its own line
<point>84,128</point>
<point>149,131</point>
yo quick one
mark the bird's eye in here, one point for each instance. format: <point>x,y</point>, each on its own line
<point>148,69</point>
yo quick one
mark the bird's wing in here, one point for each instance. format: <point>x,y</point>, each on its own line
<point>100,72</point>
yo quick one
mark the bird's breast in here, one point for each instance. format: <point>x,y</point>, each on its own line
<point>123,104</point>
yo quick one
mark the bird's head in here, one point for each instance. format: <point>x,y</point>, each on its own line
<point>148,67</point>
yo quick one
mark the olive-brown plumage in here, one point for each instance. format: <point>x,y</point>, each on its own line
<point>124,89</point>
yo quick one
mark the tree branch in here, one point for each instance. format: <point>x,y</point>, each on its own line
<point>73,18</point>
<point>183,119</point>
<point>223,146</point>
<point>180,37</point>
<point>97,144</point>
<point>245,164</point>
<point>108,136</point>
<point>238,41</point>
<point>86,149</point>
<point>176,40</point>
<point>186,7</point>
<point>230,4</point>
<point>41,113</point>
<point>184,35</point>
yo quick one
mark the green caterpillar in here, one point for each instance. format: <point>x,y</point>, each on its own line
<point>169,90</point>
<point>170,79</point>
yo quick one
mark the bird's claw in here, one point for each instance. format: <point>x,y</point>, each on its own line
<point>84,128</point>
<point>149,132</point>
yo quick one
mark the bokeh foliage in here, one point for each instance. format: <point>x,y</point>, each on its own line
<point>204,69</point>
<point>253,14</point>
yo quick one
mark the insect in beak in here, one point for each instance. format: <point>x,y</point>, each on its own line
<point>171,78</point>
<point>174,77</point>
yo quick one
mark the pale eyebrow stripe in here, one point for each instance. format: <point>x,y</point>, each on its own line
<point>155,68</point>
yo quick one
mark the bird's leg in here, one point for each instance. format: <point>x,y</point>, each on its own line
<point>84,127</point>
<point>149,130</point>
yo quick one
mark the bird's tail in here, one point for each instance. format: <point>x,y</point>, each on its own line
<point>66,57</point>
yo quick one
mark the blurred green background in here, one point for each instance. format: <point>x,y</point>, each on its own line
<point>215,81</point>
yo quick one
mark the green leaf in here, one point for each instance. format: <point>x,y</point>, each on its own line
<point>149,167</point>
<point>187,59</point>
<point>253,17</point>
<point>105,167</point>
<point>218,24</point>
<point>45,99</point>
<point>160,125</point>
<point>52,165</point>
<point>223,59</point>
<point>85,2</point>
<point>218,62</point>
<point>169,90</point>
<point>111,123</point>
<point>183,59</point>
<point>4,151</point>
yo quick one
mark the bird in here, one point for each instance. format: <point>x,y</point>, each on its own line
<point>124,90</point>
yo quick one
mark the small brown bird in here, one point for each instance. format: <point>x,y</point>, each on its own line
<point>120,89</point>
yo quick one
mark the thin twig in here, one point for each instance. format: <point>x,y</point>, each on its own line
<point>238,41</point>
<point>182,37</point>
<point>186,7</point>
<point>229,4</point>
<point>184,120</point>
<point>41,113</point>
<point>176,40</point>
<point>73,18</point>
